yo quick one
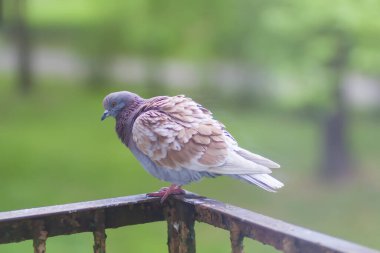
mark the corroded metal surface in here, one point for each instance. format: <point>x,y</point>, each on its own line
<point>99,232</point>
<point>73,218</point>
<point>181,234</point>
<point>180,212</point>
<point>236,238</point>
<point>39,236</point>
<point>281,235</point>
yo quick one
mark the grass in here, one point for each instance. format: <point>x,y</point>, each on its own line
<point>55,150</point>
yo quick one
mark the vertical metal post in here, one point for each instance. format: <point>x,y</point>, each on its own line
<point>99,232</point>
<point>236,238</point>
<point>181,234</point>
<point>39,237</point>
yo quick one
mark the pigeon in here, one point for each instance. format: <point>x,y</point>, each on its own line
<point>177,140</point>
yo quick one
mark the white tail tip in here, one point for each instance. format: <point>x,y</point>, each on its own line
<point>264,181</point>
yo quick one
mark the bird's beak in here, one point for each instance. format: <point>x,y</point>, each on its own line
<point>105,115</point>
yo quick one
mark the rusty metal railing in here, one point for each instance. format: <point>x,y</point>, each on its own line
<point>180,212</point>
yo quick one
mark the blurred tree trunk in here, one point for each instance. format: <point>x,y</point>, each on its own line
<point>22,43</point>
<point>1,12</point>
<point>154,84</point>
<point>98,76</point>
<point>336,155</point>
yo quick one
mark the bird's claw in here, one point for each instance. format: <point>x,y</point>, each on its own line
<point>165,192</point>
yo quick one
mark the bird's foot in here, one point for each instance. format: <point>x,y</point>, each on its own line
<point>165,192</point>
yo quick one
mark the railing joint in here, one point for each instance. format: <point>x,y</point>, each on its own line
<point>99,232</point>
<point>180,218</point>
<point>289,246</point>
<point>236,237</point>
<point>39,236</point>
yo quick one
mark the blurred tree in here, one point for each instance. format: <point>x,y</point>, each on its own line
<point>1,11</point>
<point>336,160</point>
<point>328,39</point>
<point>234,37</point>
<point>21,36</point>
<point>100,46</point>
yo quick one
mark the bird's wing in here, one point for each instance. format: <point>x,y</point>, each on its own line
<point>176,132</point>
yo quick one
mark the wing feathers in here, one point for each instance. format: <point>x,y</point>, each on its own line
<point>203,140</point>
<point>182,130</point>
<point>176,132</point>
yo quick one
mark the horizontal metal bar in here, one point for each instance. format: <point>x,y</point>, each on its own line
<point>281,235</point>
<point>79,217</point>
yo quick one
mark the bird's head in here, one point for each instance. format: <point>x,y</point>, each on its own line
<point>115,102</point>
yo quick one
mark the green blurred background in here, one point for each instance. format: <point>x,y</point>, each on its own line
<point>297,81</point>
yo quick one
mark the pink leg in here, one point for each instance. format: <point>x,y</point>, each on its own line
<point>165,192</point>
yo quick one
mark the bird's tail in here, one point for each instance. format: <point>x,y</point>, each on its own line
<point>264,181</point>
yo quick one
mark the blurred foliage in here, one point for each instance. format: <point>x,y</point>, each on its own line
<point>295,39</point>
<point>263,31</point>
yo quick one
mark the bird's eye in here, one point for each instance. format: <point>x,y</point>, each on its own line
<point>113,104</point>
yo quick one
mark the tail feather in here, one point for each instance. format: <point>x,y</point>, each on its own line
<point>251,168</point>
<point>257,158</point>
<point>264,181</point>
<point>237,164</point>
